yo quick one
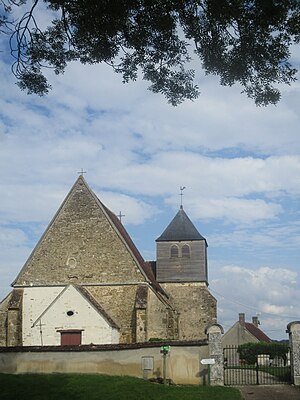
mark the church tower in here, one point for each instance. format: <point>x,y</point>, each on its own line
<point>181,252</point>
<point>181,269</point>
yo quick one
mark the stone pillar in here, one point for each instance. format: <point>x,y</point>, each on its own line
<point>13,328</point>
<point>141,328</point>
<point>14,318</point>
<point>214,334</point>
<point>141,301</point>
<point>293,329</point>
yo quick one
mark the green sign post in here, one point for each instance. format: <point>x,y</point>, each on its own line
<point>165,350</point>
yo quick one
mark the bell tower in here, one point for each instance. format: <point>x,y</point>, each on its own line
<point>181,252</point>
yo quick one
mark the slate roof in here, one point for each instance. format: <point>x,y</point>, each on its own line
<point>256,332</point>
<point>145,266</point>
<point>180,228</point>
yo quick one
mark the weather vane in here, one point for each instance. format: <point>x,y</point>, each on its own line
<point>181,194</point>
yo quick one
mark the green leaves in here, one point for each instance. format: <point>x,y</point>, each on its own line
<point>244,42</point>
<point>249,351</point>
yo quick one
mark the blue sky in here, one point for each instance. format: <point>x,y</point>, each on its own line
<point>240,165</point>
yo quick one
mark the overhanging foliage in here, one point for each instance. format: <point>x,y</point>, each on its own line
<point>245,42</point>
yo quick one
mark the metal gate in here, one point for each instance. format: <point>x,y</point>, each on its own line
<point>265,371</point>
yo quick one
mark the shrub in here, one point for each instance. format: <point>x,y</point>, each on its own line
<point>249,351</point>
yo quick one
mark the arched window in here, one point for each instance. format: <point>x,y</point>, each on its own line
<point>185,251</point>
<point>174,251</point>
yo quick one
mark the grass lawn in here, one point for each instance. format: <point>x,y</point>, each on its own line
<point>92,387</point>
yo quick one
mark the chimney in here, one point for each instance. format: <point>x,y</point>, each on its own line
<point>255,321</point>
<point>242,319</point>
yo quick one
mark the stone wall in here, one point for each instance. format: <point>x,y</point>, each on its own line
<point>161,318</point>
<point>196,306</point>
<point>119,303</point>
<point>3,320</point>
<point>183,362</point>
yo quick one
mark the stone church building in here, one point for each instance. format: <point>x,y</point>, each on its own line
<point>86,282</point>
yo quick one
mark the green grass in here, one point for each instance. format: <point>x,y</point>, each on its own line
<point>96,387</point>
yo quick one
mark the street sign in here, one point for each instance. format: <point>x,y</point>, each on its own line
<point>165,349</point>
<point>208,361</point>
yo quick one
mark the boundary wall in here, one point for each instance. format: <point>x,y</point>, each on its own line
<point>183,362</point>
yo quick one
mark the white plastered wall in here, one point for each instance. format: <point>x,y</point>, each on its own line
<point>45,313</point>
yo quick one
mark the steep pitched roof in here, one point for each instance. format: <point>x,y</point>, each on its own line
<point>256,332</point>
<point>180,228</point>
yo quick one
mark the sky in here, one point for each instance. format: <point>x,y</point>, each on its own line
<point>240,165</point>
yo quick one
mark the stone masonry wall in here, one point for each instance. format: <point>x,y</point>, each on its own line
<point>158,316</point>
<point>3,320</point>
<point>80,246</point>
<point>196,306</point>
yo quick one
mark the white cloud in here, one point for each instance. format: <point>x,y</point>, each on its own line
<point>29,203</point>
<point>271,293</point>
<point>12,237</point>
<point>275,309</point>
<point>262,235</point>
<point>135,211</point>
<point>234,209</point>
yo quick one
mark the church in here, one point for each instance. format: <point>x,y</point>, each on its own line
<point>86,283</point>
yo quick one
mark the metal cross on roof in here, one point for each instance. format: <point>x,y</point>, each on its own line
<point>120,215</point>
<point>81,172</point>
<point>181,194</point>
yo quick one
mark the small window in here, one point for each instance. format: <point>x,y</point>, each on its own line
<point>70,313</point>
<point>174,251</point>
<point>185,251</point>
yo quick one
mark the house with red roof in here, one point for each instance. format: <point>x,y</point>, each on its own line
<point>244,332</point>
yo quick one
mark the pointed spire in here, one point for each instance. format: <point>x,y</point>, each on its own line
<point>180,228</point>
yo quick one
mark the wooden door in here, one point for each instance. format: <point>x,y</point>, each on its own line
<point>70,338</point>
